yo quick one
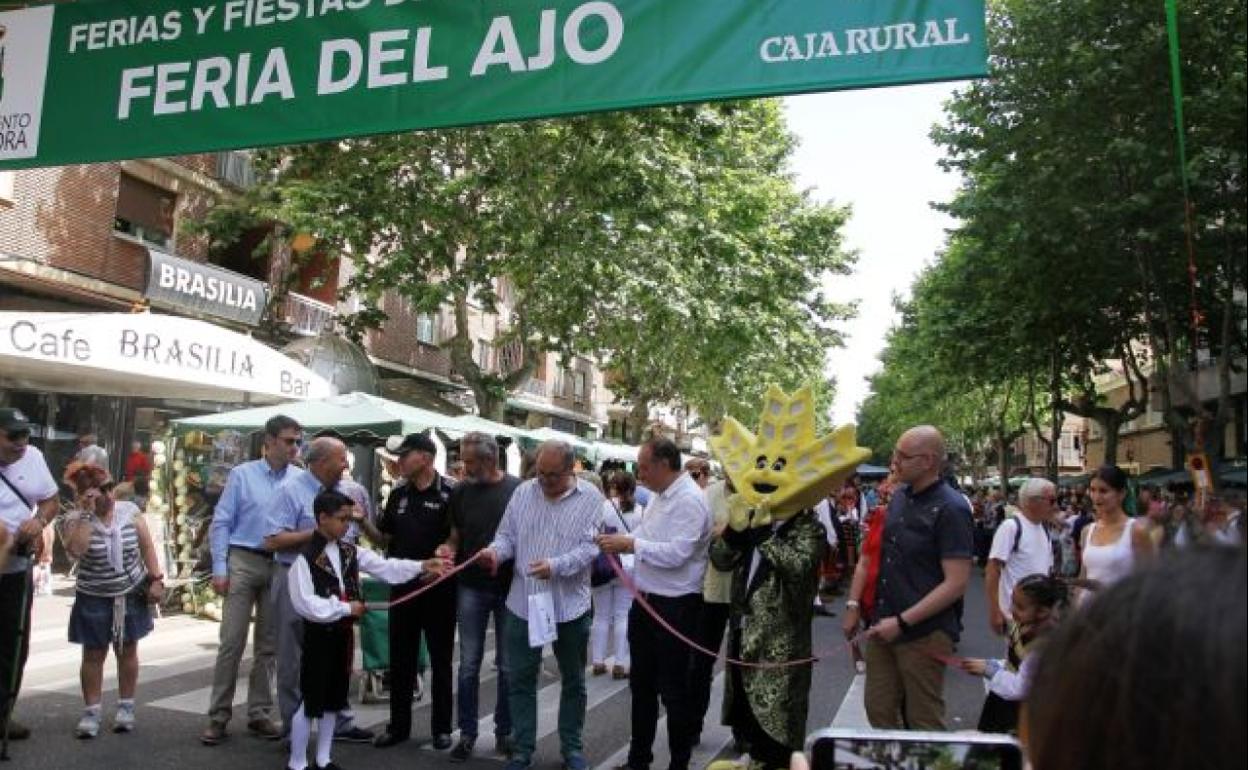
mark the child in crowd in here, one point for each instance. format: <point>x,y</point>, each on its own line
<point>1035,607</point>
<point>325,592</point>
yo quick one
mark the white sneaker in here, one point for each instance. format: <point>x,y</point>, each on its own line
<point>123,720</point>
<point>89,725</point>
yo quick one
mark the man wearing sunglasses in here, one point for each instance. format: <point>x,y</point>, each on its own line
<point>242,571</point>
<point>28,503</point>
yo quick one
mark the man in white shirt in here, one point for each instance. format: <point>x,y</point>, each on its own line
<point>670,547</point>
<point>1021,547</point>
<point>28,503</point>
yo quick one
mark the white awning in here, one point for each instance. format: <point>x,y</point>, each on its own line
<point>146,355</point>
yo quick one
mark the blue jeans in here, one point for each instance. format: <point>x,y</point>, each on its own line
<point>474,608</point>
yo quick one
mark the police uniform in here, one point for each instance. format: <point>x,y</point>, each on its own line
<point>417,522</point>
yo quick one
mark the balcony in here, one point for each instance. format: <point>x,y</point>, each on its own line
<point>307,317</point>
<point>235,168</point>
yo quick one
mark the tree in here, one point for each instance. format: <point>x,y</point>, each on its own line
<point>1068,155</point>
<point>669,244</point>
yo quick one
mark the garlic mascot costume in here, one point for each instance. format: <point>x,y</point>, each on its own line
<point>773,545</point>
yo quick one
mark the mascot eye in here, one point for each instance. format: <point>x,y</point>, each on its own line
<point>761,462</point>
<point>779,464</point>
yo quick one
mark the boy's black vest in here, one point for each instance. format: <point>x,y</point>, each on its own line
<point>324,579</point>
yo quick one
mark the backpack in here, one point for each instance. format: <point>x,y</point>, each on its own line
<point>1018,538</point>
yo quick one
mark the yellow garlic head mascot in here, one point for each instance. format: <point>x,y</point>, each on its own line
<point>786,468</point>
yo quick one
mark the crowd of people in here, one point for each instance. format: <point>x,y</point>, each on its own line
<point>611,567</point>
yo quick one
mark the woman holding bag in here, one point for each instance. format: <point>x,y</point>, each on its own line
<point>612,600</point>
<point>118,577</point>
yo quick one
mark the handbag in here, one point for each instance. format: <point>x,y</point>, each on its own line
<point>601,572</point>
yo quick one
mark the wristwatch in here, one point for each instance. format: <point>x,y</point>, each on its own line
<point>852,604</point>
<point>902,624</point>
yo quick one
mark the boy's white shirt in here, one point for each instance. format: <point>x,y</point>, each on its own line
<point>323,609</point>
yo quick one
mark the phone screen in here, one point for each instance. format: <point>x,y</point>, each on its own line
<point>890,752</point>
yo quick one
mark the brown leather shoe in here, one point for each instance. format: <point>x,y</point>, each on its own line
<point>619,672</point>
<point>213,734</point>
<point>264,728</point>
<point>600,669</point>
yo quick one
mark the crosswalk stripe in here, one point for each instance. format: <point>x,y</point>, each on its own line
<point>598,690</point>
<point>715,737</point>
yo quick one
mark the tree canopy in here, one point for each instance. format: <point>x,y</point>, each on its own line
<point>1070,258</point>
<point>671,245</point>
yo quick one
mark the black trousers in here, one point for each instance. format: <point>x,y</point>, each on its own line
<point>712,623</point>
<point>763,748</point>
<point>432,616</point>
<point>14,648</point>
<point>660,671</point>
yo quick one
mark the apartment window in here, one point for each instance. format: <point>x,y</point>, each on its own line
<point>578,387</point>
<point>426,329</point>
<point>8,181</point>
<point>145,211</point>
<point>565,389</point>
<point>483,354</point>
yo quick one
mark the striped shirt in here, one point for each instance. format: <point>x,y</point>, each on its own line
<point>96,576</point>
<point>562,531</point>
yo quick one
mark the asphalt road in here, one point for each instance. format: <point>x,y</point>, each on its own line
<point>176,674</point>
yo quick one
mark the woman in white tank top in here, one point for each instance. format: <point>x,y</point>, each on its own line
<point>1111,545</point>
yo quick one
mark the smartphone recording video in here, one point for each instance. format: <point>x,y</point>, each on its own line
<point>848,749</point>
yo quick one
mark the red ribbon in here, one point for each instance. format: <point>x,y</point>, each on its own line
<point>412,595</point>
<point>637,597</point>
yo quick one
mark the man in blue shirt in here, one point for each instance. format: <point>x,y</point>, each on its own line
<point>242,571</point>
<point>290,527</point>
<point>925,565</point>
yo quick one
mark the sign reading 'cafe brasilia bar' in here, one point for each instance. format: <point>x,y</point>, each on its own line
<point>93,81</point>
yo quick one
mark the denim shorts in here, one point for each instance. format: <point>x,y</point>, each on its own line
<point>91,620</point>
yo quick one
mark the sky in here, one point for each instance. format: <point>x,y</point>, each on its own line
<point>870,149</point>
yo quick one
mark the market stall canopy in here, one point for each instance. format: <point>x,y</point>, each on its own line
<point>583,447</point>
<point>619,452</point>
<point>350,414</point>
<point>146,354</point>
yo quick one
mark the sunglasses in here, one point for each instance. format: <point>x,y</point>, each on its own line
<point>292,441</point>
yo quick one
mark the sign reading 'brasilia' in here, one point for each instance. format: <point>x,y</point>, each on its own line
<point>113,79</point>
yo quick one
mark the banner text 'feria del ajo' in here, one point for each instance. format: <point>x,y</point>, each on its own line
<point>99,80</point>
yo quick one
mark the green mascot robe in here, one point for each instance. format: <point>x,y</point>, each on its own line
<point>771,620</point>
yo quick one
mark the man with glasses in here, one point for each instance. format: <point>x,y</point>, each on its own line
<point>242,571</point>
<point>548,533</point>
<point>1020,547</point>
<point>28,503</point>
<point>925,565</point>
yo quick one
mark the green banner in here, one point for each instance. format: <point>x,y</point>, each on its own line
<point>111,79</point>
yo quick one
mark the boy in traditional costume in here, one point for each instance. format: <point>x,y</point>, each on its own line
<point>325,592</point>
<point>774,544</point>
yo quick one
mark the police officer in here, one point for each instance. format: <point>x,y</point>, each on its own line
<point>415,521</point>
